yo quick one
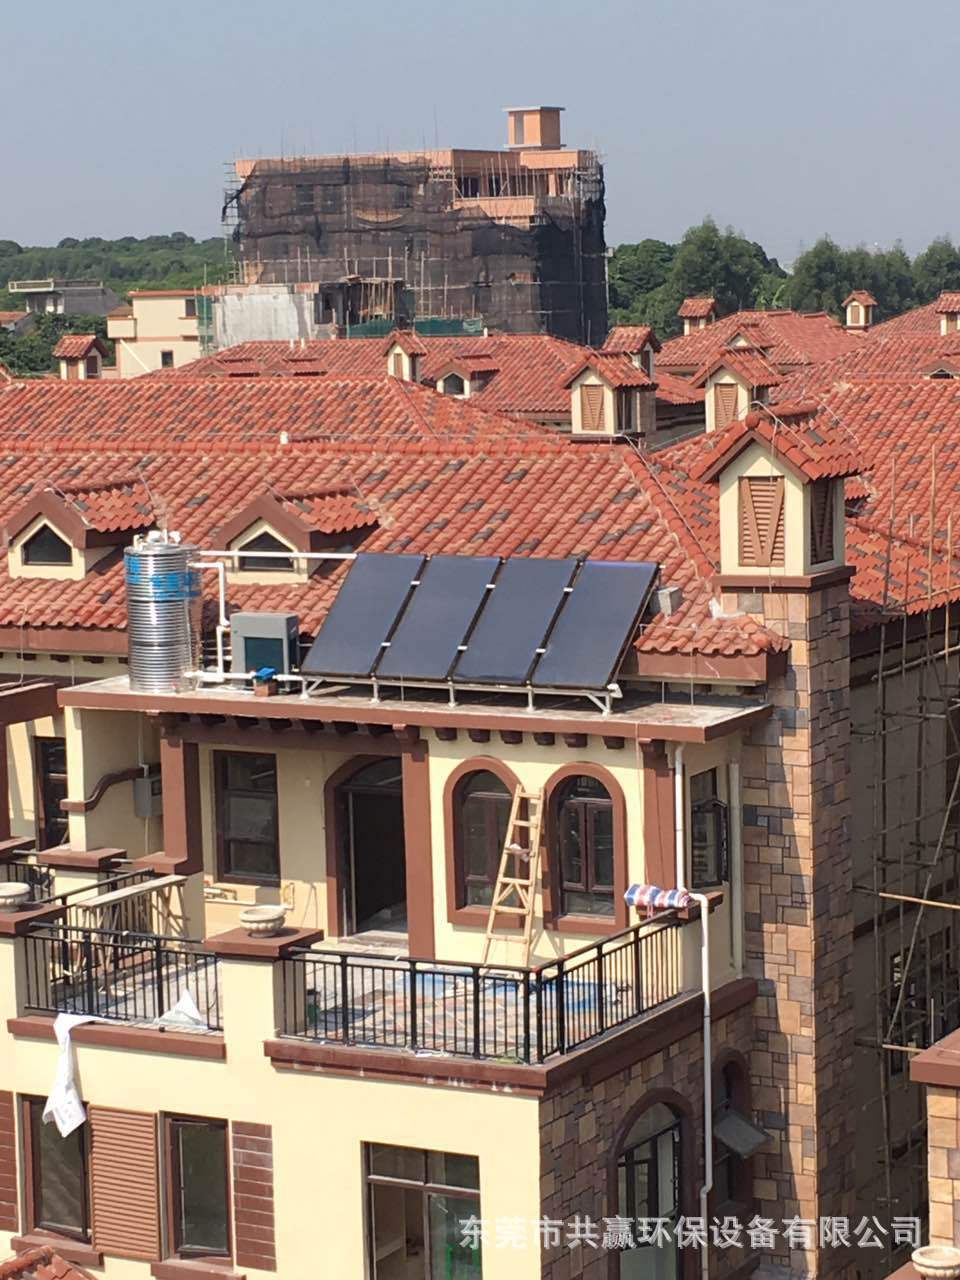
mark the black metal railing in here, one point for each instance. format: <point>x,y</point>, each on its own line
<point>123,977</point>
<point>39,879</point>
<point>494,1012</point>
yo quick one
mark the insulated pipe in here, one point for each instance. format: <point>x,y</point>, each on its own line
<point>680,831</point>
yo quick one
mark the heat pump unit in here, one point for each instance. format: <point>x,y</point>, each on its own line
<point>265,640</point>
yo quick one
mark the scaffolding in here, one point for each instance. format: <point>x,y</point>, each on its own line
<point>905,713</point>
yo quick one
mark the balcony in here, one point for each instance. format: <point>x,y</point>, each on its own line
<point>504,1014</point>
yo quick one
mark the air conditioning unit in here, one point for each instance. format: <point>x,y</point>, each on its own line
<point>265,640</point>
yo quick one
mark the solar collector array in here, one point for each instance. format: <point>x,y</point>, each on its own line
<point>474,620</point>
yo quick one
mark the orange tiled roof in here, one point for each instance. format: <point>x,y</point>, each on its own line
<point>202,412</point>
<point>862,296</point>
<point>407,340</point>
<point>41,1264</point>
<point>748,363</point>
<point>793,432</point>
<point>616,370</point>
<point>330,511</point>
<point>918,320</point>
<point>674,390</point>
<point>12,317</point>
<point>696,308</point>
<point>948,303</point>
<point>76,346</point>
<point>896,357</point>
<point>630,338</point>
<point>789,338</point>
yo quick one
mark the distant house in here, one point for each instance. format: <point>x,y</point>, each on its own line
<point>16,322</point>
<point>65,297</point>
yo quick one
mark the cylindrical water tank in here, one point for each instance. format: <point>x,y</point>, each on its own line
<point>163,612</point>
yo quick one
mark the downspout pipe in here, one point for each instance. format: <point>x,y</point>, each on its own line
<point>680,832</point>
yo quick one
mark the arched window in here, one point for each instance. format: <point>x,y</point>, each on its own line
<point>452,385</point>
<point>648,1186</point>
<point>481,809</point>
<point>260,564</point>
<point>583,853</point>
<point>735,1137</point>
<point>727,1164</point>
<point>46,547</point>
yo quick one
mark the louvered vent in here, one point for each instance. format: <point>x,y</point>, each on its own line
<point>724,403</point>
<point>592,408</point>
<point>761,521</point>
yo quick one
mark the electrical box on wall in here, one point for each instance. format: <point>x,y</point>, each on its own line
<point>265,640</point>
<point>148,794</point>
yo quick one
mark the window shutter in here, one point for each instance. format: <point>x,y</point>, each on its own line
<point>397,365</point>
<point>592,408</point>
<point>9,1220</point>
<point>821,522</point>
<point>253,1196</point>
<point>125,1183</point>
<point>724,403</point>
<point>761,521</point>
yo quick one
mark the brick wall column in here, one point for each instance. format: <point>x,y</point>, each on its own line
<point>798,916</point>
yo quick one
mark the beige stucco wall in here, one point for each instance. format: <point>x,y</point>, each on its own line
<point>100,742</point>
<point>319,1123</point>
<point>82,559</point>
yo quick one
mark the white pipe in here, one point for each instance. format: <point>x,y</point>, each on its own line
<point>680,832</point>
<point>292,554</point>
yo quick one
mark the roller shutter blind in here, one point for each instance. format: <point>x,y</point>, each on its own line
<point>124,1183</point>
<point>9,1217</point>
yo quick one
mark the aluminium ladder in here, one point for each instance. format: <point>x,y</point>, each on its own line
<point>514,893</point>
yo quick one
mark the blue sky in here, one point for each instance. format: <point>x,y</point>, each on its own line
<point>783,118</point>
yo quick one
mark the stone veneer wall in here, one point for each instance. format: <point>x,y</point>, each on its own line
<point>579,1125</point>
<point>943,1163</point>
<point>798,915</point>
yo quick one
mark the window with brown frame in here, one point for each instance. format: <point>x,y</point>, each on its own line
<point>267,563</point>
<point>248,844</point>
<point>625,416</point>
<point>50,774</point>
<point>397,365</point>
<point>728,1166</point>
<point>58,1179</point>
<point>821,521</point>
<point>481,806</point>
<point>708,831</point>
<point>592,408</point>
<point>198,1186</point>
<point>93,367</point>
<point>583,855</point>
<point>190,308</point>
<point>166,359</point>
<point>761,521</point>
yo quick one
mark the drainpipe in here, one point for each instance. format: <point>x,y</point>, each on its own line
<point>736,864</point>
<point>680,830</point>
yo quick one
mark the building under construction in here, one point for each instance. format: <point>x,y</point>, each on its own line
<point>509,239</point>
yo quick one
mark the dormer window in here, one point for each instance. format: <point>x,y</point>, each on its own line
<point>46,547</point>
<point>724,404</point>
<point>453,385</point>
<point>592,408</point>
<point>272,563</point>
<point>761,521</point>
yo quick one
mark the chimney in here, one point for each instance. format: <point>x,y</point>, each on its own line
<point>533,128</point>
<point>697,313</point>
<point>859,307</point>
<point>80,356</point>
<point>948,309</point>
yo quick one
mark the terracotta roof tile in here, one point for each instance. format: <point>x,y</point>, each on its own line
<point>816,448</point>
<point>617,370</point>
<point>749,363</point>
<point>630,338</point>
<point>76,346</point>
<point>919,320</point>
<point>948,303</point>
<point>696,308</point>
<point>789,338</point>
<point>41,1264</point>
<point>862,296</point>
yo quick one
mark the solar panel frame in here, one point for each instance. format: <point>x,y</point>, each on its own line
<point>598,620</point>
<point>518,614</point>
<point>426,641</point>
<point>363,615</point>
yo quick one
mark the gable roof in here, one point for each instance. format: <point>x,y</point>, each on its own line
<point>747,363</point>
<point>89,514</point>
<point>77,346</point>
<point>790,433</point>
<point>862,296</point>
<point>918,320</point>
<point>407,340</point>
<point>894,357</point>
<point>789,338</point>
<point>948,303</point>
<point>696,308</point>
<point>304,518</point>
<point>616,370</point>
<point>630,338</point>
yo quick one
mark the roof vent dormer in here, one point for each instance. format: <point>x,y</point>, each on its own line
<point>948,309</point>
<point>697,313</point>
<point>858,307</point>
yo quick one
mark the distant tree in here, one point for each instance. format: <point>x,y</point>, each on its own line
<point>936,269</point>
<point>637,269</point>
<point>820,279</point>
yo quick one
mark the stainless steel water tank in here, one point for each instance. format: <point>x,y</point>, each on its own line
<point>163,612</point>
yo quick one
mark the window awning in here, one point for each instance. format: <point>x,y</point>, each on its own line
<point>738,1133</point>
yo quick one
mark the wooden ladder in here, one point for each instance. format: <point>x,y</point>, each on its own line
<point>514,893</point>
